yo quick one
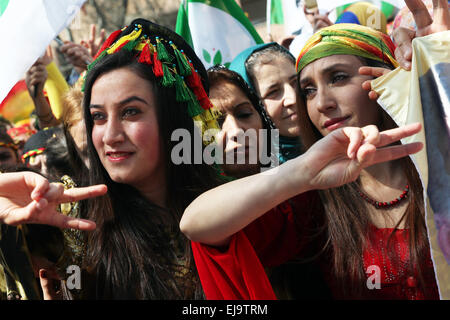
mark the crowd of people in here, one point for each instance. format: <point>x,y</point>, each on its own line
<point>96,184</point>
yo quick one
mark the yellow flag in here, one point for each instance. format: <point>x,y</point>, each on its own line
<point>423,95</point>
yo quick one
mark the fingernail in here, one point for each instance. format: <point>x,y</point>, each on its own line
<point>43,274</point>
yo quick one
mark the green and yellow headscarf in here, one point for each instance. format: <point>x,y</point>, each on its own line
<point>347,38</point>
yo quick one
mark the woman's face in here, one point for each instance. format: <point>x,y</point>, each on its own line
<point>238,117</point>
<point>334,96</point>
<point>125,128</point>
<point>276,84</point>
<point>8,157</point>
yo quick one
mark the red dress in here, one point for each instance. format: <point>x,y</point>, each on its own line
<point>237,271</point>
<point>396,280</point>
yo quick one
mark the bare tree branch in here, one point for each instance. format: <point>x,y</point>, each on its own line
<point>125,9</point>
<point>101,17</point>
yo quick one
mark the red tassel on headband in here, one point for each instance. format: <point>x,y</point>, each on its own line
<point>108,42</point>
<point>146,56</point>
<point>195,83</point>
<point>157,66</point>
<point>193,80</point>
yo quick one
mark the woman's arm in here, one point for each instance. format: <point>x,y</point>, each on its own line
<point>218,213</point>
<point>35,79</point>
<point>333,161</point>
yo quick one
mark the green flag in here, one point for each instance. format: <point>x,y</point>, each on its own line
<point>276,12</point>
<point>218,30</point>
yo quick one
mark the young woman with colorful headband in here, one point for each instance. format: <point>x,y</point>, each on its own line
<point>361,233</point>
<point>144,84</point>
<point>330,83</point>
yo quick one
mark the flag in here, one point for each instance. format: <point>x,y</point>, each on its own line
<point>26,29</point>
<point>218,30</point>
<point>17,105</point>
<point>328,5</point>
<point>423,95</point>
<point>55,87</point>
<point>276,11</point>
<point>274,14</point>
<point>386,6</point>
<point>293,16</point>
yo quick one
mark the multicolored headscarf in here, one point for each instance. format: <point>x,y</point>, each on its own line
<point>347,38</point>
<point>173,62</point>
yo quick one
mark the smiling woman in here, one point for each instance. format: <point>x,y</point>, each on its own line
<point>332,87</point>
<point>363,227</point>
<point>143,86</point>
<point>364,215</point>
<point>126,132</point>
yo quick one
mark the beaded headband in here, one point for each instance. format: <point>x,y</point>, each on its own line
<point>32,153</point>
<point>159,47</point>
<point>9,145</point>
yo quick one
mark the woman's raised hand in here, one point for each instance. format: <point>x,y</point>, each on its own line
<point>426,25</point>
<point>374,72</point>
<point>403,37</point>
<point>29,198</point>
<point>339,157</point>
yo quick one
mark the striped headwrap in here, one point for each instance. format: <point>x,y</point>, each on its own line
<point>347,38</point>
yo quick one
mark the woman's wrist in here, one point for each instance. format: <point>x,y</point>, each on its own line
<point>43,110</point>
<point>294,175</point>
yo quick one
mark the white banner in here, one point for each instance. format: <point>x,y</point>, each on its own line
<point>26,28</point>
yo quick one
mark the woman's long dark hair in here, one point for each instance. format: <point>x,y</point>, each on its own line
<point>347,225</point>
<point>132,251</point>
